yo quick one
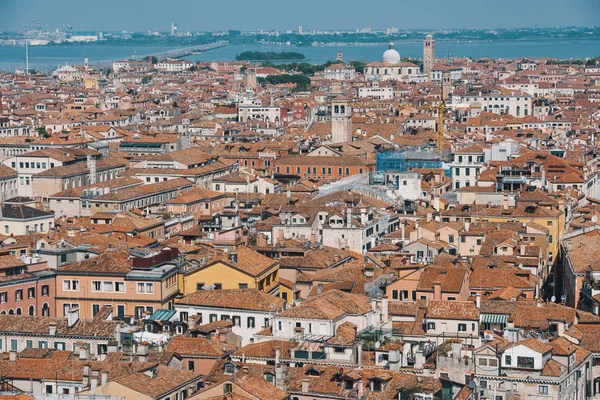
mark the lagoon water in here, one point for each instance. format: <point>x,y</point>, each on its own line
<point>49,57</point>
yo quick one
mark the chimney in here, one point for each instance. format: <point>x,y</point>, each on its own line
<point>52,328</point>
<point>280,372</point>
<point>72,316</point>
<point>478,300</point>
<point>437,290</point>
<point>142,352</point>
<point>305,385</point>
<point>277,355</point>
<point>84,352</point>
<point>223,335</point>
<point>384,309</point>
<point>505,205</point>
<point>349,217</point>
<point>233,257</point>
<point>104,378</point>
<point>467,226</point>
<point>361,389</point>
<point>87,371</point>
<point>359,352</point>
<point>363,216</point>
<point>113,346</point>
<point>13,356</point>
<point>94,383</point>
<point>403,225</point>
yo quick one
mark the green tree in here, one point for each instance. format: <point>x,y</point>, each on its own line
<point>152,59</point>
<point>43,132</point>
<point>146,80</point>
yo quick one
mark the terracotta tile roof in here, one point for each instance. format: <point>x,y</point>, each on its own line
<point>243,299</point>
<point>329,305</point>
<point>249,261</point>
<point>267,349</point>
<point>198,347</point>
<point>444,309</point>
<point>166,380</point>
<point>41,325</point>
<point>115,262</point>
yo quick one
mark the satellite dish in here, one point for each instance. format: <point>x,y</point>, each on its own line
<point>553,299</point>
<point>595,219</point>
<point>377,344</point>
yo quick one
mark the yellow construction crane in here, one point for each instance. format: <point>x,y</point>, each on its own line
<point>441,109</point>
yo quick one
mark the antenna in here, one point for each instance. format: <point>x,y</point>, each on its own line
<point>26,53</point>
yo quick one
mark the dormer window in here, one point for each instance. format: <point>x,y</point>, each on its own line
<point>269,377</point>
<point>229,369</point>
<point>376,385</point>
<point>348,385</point>
<point>313,372</point>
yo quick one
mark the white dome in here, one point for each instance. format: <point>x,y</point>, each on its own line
<point>391,55</point>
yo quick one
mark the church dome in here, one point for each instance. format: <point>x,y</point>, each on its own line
<point>391,55</point>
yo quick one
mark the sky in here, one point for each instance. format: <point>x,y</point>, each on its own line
<point>209,15</point>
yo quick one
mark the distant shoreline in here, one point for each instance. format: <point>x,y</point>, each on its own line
<point>339,44</point>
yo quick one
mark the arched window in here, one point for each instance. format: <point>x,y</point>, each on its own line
<point>31,310</point>
<point>45,310</point>
<point>19,311</point>
<point>11,312</point>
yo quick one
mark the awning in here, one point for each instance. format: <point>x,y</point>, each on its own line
<point>494,318</point>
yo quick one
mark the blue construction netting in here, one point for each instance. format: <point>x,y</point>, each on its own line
<point>402,160</point>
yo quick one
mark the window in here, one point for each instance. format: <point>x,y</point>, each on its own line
<point>59,345</point>
<point>227,388</point>
<point>251,322</point>
<point>190,365</point>
<point>31,293</point>
<point>108,286</point>
<point>483,362</point>
<point>145,287</point>
<point>46,290</point>
<point>120,287</point>
<point>493,362</point>
<point>71,285</point>
<point>430,325</point>
<point>3,297</point>
<point>121,311</point>
<point>542,389</point>
<point>229,369</point>
<point>508,360</point>
<point>96,286</point>
<point>19,294</point>
<point>525,362</point>
<point>376,384</point>
<point>95,309</point>
<point>13,344</point>
<point>462,327</point>
<point>451,238</point>
<point>43,344</point>
<point>395,295</point>
<point>199,285</point>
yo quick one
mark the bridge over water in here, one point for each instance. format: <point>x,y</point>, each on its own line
<point>174,53</point>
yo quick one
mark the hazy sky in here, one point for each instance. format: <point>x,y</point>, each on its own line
<point>203,15</point>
